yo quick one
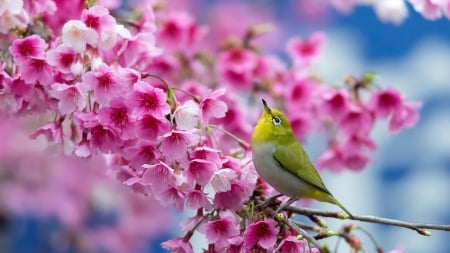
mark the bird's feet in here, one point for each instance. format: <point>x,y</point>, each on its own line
<point>283,205</point>
<point>268,201</point>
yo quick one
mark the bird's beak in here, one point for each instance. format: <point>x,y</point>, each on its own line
<point>266,107</point>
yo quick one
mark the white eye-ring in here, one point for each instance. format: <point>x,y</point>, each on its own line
<point>276,121</point>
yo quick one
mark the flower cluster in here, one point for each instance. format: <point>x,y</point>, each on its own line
<point>174,114</point>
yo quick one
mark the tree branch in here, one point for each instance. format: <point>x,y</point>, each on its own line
<point>295,227</point>
<point>419,227</point>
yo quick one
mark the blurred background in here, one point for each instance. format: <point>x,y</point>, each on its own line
<point>408,177</point>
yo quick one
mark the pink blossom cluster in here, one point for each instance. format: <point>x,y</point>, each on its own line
<point>174,115</point>
<point>38,183</point>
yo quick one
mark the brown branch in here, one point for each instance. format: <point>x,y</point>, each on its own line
<point>419,227</point>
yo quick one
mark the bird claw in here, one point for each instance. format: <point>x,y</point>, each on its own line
<point>268,201</point>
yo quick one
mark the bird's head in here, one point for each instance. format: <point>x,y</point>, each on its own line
<point>272,126</point>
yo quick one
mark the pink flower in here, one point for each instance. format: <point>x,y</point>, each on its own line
<point>76,35</point>
<point>150,127</point>
<point>86,120</point>
<point>146,99</point>
<point>355,160</point>
<point>389,102</point>
<point>336,103</point>
<point>231,199</point>
<point>191,222</point>
<point>236,67</point>
<point>131,76</point>
<point>29,47</point>
<point>361,141</point>
<point>97,17</point>
<point>52,131</point>
<point>221,180</point>
<point>384,102</point>
<point>118,117</point>
<point>62,58</point>
<point>66,11</point>
<point>82,149</point>
<point>351,156</point>
<point>40,7</point>
<point>200,171</point>
<point>219,231</point>
<point>301,124</point>
<point>172,196</point>
<point>136,51</point>
<point>187,115</point>
<point>105,82</point>
<point>164,65</point>
<point>69,97</point>
<point>211,106</point>
<point>36,70</point>
<point>263,233</point>
<point>196,199</point>
<point>331,158</point>
<point>207,153</point>
<point>159,176</point>
<point>236,245</point>
<point>357,119</point>
<point>304,52</point>
<point>300,93</point>
<point>292,244</point>
<point>140,153</point>
<point>104,139</point>
<point>175,143</point>
<point>178,245</point>
<point>235,117</point>
<point>180,31</point>
<point>404,116</point>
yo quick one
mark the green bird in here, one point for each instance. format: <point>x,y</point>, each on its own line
<point>283,163</point>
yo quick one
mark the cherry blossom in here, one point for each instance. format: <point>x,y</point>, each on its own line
<point>70,97</point>
<point>30,47</point>
<point>62,58</point>
<point>304,52</point>
<point>292,244</point>
<point>105,83</point>
<point>178,245</point>
<point>262,233</point>
<point>219,231</point>
<point>76,35</point>
<point>147,99</point>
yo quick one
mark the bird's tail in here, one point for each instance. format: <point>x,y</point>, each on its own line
<point>331,199</point>
<point>343,208</point>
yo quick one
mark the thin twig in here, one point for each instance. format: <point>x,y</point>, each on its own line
<point>419,227</point>
<point>302,232</point>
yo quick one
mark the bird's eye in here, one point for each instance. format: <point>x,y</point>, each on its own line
<point>276,121</point>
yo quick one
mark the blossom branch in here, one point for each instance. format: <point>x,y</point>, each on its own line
<point>419,227</point>
<point>295,227</point>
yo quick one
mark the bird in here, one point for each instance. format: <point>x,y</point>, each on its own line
<point>281,161</point>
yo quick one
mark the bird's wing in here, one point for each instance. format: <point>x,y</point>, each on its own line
<point>299,164</point>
